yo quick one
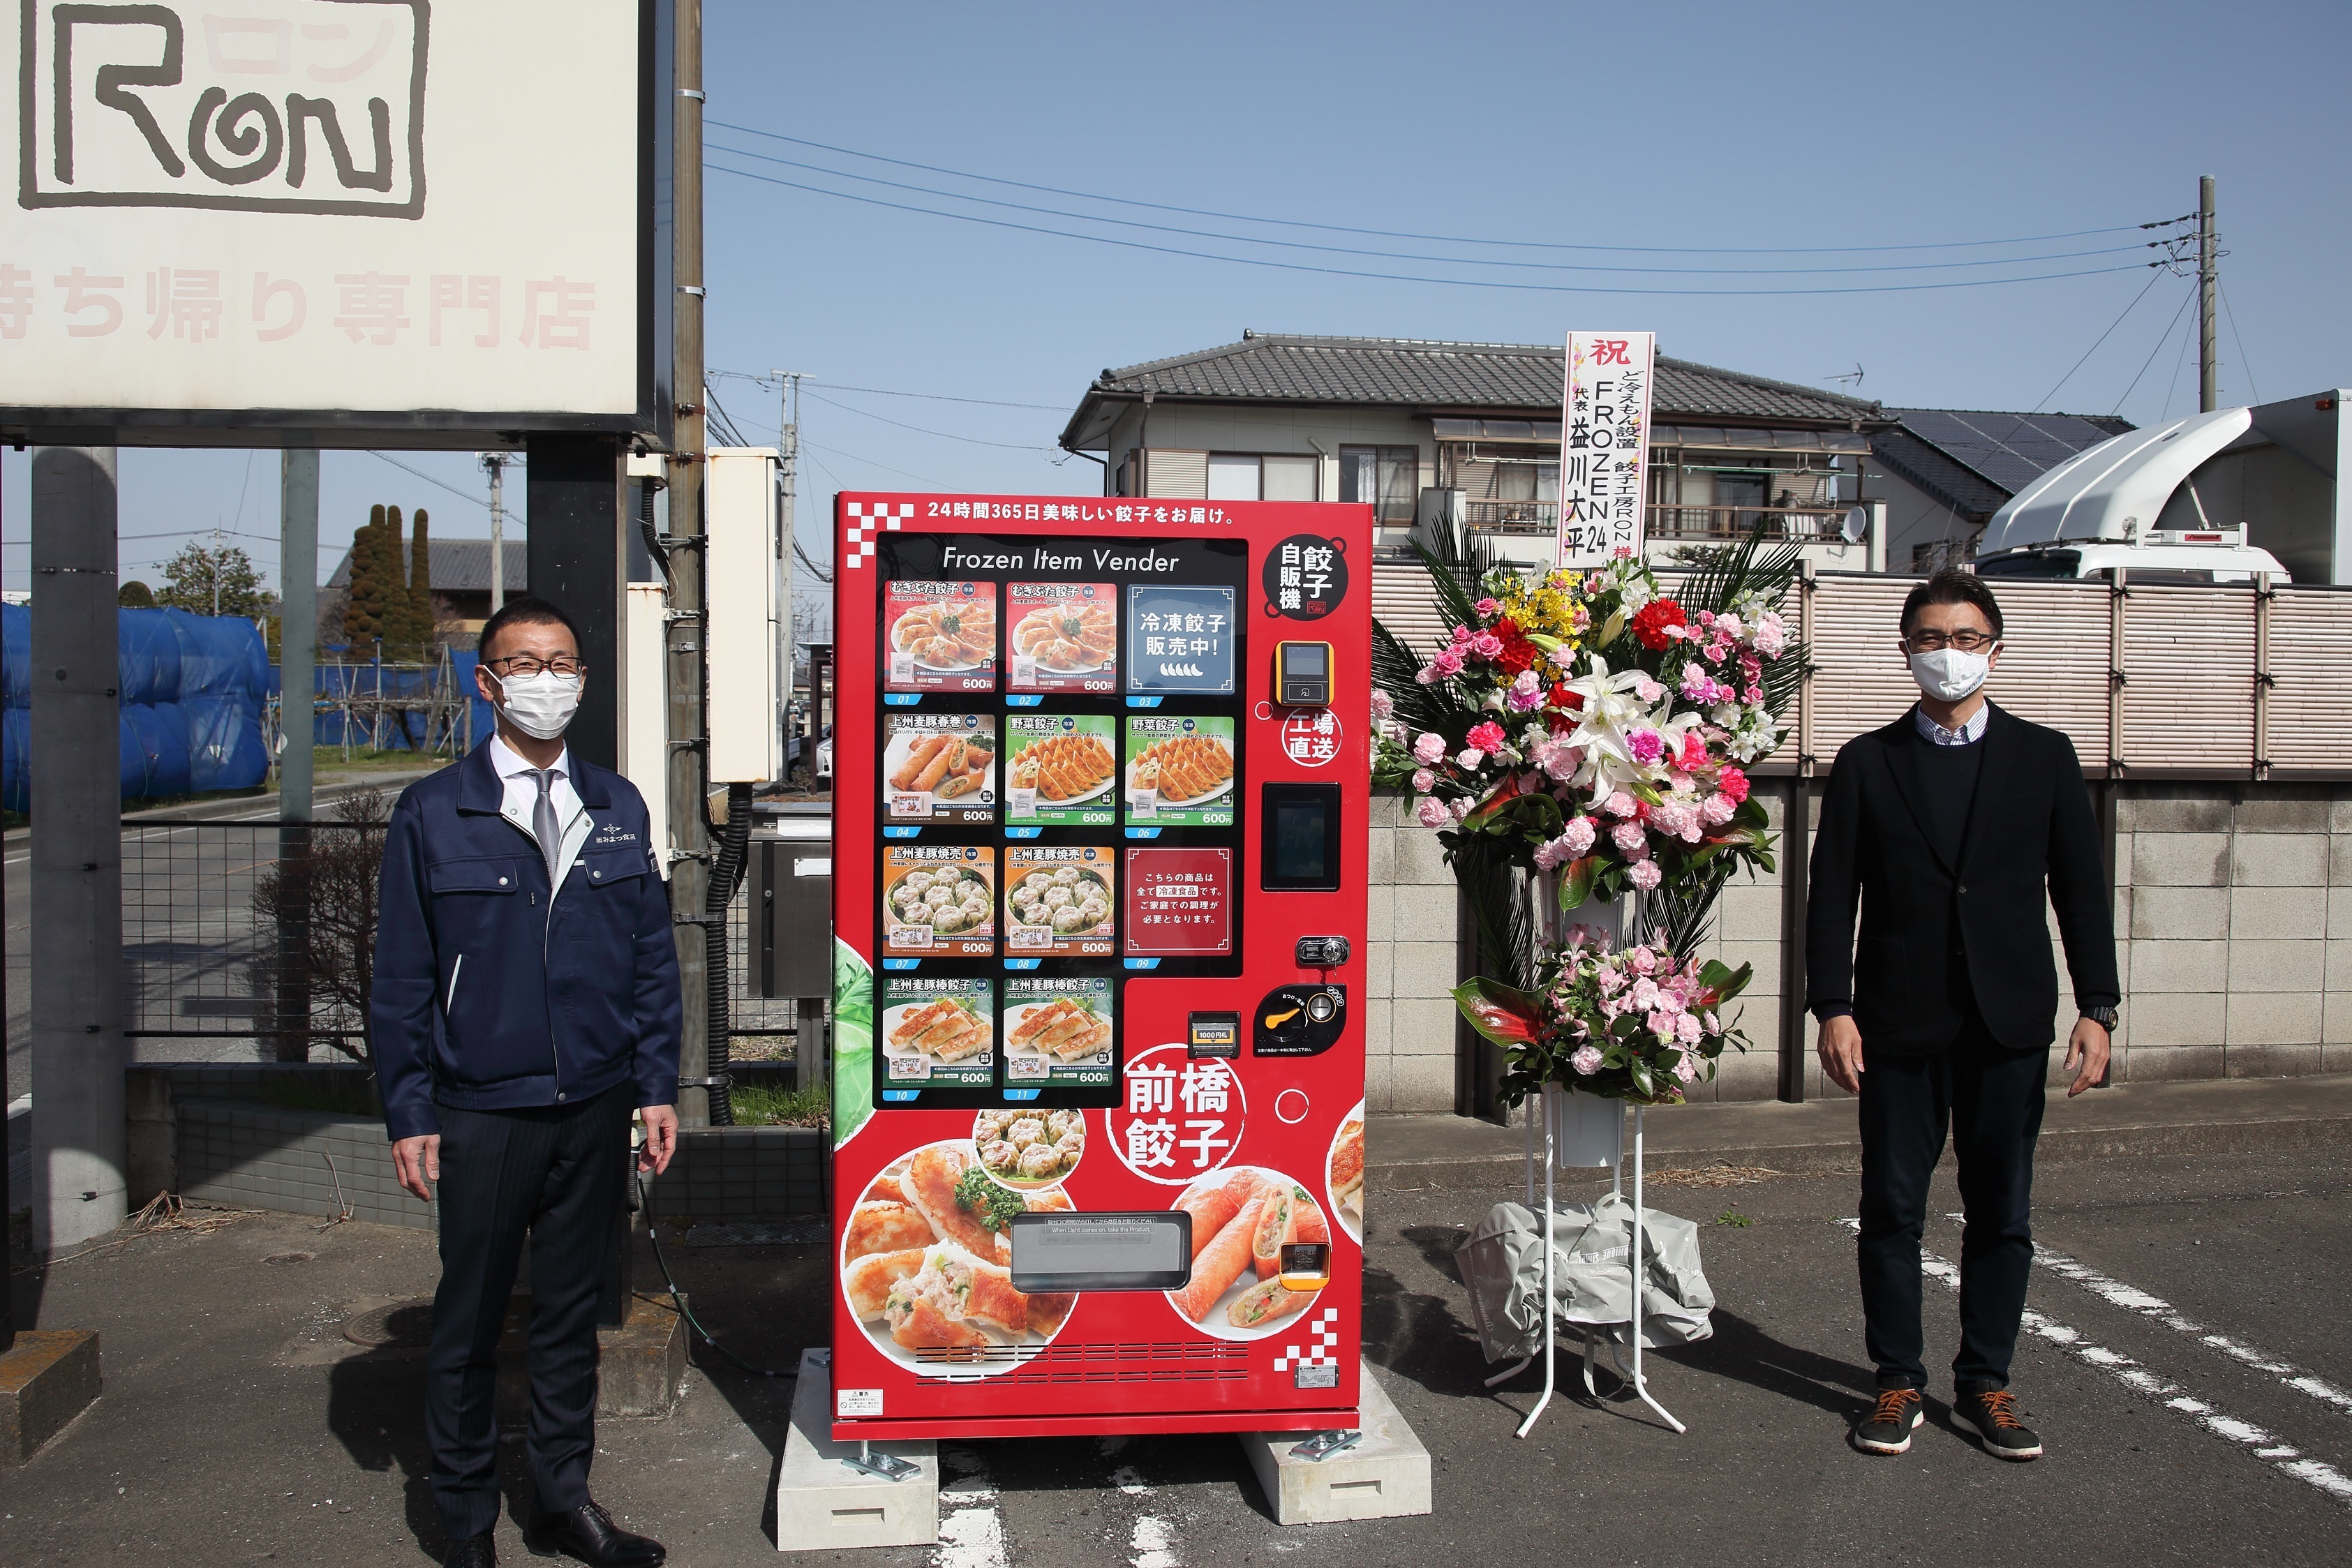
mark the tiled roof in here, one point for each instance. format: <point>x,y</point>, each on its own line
<point>460,566</point>
<point>1280,368</point>
<point>1973,460</point>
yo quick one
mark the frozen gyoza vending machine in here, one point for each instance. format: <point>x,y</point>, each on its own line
<point>1101,777</point>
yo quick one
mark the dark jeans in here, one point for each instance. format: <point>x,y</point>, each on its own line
<point>1991,1098</point>
<point>555,1174</point>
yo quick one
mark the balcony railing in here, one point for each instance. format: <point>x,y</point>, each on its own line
<point>1667,522</point>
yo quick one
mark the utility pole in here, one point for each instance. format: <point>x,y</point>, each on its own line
<point>689,871</point>
<point>788,454</point>
<point>496,462</point>
<point>2209,283</point>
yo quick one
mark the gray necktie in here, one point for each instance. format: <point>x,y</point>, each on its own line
<point>544,829</point>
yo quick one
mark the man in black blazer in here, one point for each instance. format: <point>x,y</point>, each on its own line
<point>1946,827</point>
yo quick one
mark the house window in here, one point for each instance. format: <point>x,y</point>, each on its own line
<point>1232,477</point>
<point>1389,477</point>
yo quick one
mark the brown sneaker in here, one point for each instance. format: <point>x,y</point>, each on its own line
<point>1992,1415</point>
<point>1888,1430</point>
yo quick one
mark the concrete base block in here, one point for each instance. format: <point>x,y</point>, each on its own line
<point>1384,1476</point>
<point>823,1505</point>
<point>45,1381</point>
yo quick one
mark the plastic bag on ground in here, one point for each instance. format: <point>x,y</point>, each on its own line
<point>1502,1268</point>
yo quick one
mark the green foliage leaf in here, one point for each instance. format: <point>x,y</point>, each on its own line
<point>1577,886</point>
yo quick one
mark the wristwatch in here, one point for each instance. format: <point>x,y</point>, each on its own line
<point>2105,1018</point>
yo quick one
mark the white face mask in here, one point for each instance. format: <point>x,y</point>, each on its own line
<point>1947,674</point>
<point>540,706</point>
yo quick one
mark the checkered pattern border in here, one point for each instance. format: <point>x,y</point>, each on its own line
<point>857,545</point>
<point>1327,1345</point>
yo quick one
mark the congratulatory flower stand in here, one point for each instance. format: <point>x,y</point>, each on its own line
<point>1580,743</point>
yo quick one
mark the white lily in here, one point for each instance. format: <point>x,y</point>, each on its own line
<point>1610,715</point>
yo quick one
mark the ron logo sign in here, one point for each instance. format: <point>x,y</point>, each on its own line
<point>305,106</point>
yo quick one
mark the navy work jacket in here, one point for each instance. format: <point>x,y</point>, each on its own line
<point>488,996</point>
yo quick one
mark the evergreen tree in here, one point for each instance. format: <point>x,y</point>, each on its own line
<point>420,584</point>
<point>135,595</point>
<point>364,614</point>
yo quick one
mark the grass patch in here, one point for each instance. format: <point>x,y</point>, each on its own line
<point>1733,1217</point>
<point>341,1093</point>
<point>773,1105</point>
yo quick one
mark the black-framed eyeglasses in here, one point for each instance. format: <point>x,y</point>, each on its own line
<point>524,665</point>
<point>1936,642</point>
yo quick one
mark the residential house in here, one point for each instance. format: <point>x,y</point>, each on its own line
<point>1471,429</point>
<point>461,586</point>
<point>1944,472</point>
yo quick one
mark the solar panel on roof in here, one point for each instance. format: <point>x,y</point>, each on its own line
<point>2013,450</point>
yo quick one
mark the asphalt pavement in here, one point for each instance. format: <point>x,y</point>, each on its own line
<point>2184,1364</point>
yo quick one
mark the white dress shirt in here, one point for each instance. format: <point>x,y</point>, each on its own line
<point>1971,728</point>
<point>522,798</point>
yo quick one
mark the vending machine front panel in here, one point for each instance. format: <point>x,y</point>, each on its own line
<point>1097,898</point>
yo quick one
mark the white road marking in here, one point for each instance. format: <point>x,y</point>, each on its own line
<point>2284,1458</point>
<point>1153,1543</point>
<point>972,1530</point>
<point>1129,1481</point>
<point>2132,1299</point>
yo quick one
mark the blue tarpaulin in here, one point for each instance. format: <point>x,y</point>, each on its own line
<point>192,691</point>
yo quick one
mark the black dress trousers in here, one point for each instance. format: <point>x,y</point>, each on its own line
<point>1991,1098</point>
<point>554,1173</point>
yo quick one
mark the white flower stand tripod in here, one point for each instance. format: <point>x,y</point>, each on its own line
<point>1586,1130</point>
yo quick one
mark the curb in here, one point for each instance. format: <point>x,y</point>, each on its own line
<point>2060,1145</point>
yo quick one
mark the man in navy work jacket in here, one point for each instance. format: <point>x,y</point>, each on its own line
<point>1958,829</point>
<point>526,1002</point>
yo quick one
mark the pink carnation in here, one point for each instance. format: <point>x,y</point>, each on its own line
<point>1648,690</point>
<point>1427,747</point>
<point>1423,781</point>
<point>1686,1028</point>
<point>1645,876</point>
<point>1550,856</point>
<point>1620,804</point>
<point>1645,961</point>
<point>1733,785</point>
<point>1383,705</point>
<point>1676,819</point>
<point>1432,812</point>
<point>1488,738</point>
<point>1586,1059</point>
<point>1578,836</point>
<point>1630,840</point>
<point>1771,635</point>
<point>1715,810</point>
<point>1562,761</point>
<point>1686,1067</point>
<point>1646,745</point>
<point>1694,751</point>
<point>1470,759</point>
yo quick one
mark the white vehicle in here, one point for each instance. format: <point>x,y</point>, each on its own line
<point>2225,496</point>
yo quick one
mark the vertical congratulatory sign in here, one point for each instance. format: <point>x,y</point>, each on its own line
<point>1604,445</point>
<point>329,205</point>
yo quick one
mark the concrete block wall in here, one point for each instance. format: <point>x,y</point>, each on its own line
<point>1410,965</point>
<point>2233,913</point>
<point>249,1156</point>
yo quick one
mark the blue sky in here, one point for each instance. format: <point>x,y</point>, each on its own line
<point>1786,134</point>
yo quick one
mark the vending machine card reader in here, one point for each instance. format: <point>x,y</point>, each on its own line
<point>1099,1101</point>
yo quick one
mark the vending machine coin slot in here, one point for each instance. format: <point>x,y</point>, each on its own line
<point>1299,1020</point>
<point>1321,952</point>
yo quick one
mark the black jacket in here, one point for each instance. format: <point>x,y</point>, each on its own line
<point>1939,940</point>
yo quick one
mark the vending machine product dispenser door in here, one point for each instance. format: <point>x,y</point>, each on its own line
<point>1084,848</point>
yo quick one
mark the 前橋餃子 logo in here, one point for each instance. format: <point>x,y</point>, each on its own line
<point>304,106</point>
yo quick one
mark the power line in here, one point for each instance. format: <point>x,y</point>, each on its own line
<point>944,434</point>
<point>2152,353</point>
<point>1402,278</point>
<point>429,479</point>
<point>854,457</point>
<point>1411,256</point>
<point>884,392</point>
<point>1444,239</point>
<point>2238,338</point>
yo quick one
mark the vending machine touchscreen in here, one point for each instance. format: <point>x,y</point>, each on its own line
<point>1101,780</point>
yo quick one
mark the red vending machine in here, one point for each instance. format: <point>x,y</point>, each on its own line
<point>1100,795</point>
